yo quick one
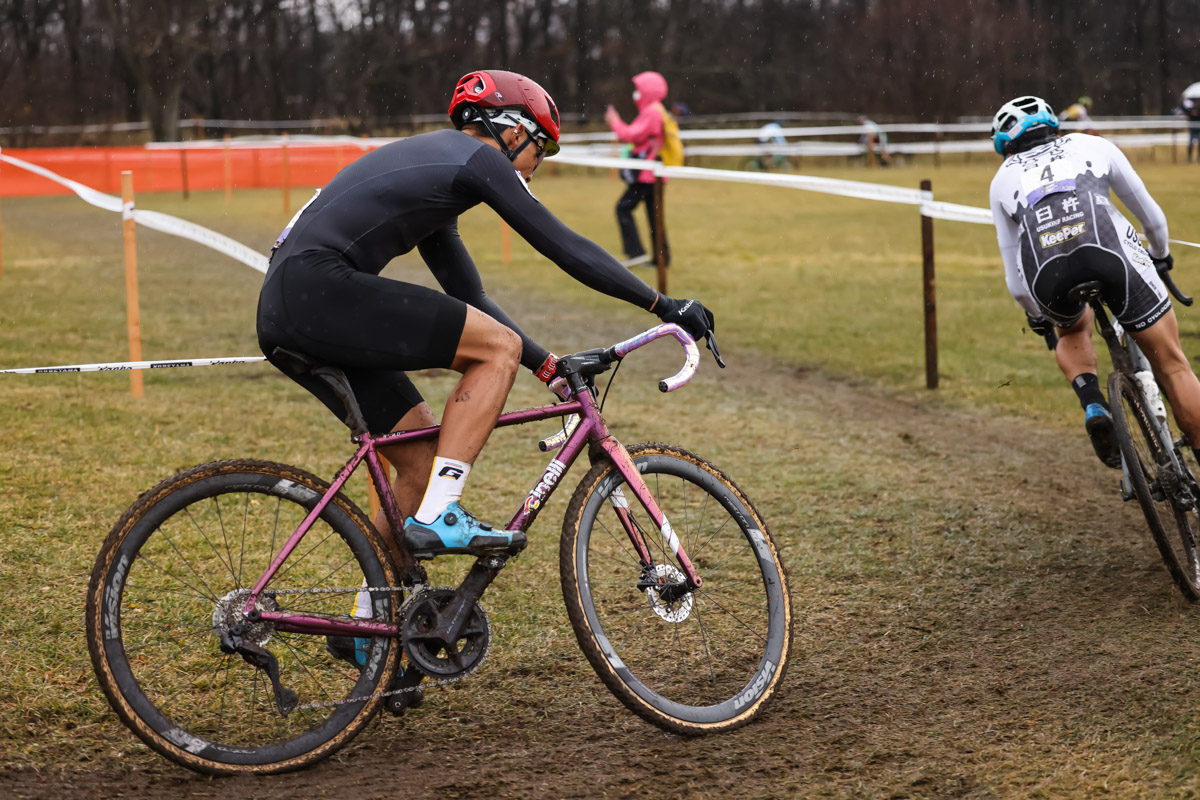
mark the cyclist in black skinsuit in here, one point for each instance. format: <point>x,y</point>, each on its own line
<point>323,295</point>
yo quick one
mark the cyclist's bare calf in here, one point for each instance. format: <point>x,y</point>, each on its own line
<point>1160,343</point>
<point>1075,352</point>
<point>412,462</point>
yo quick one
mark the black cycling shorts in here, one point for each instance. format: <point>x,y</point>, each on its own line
<point>1137,297</point>
<point>374,329</point>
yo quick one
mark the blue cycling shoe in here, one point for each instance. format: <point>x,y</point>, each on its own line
<point>456,531</point>
<point>1099,424</point>
<point>348,648</point>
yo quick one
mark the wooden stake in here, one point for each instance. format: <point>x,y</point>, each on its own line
<point>131,283</point>
<point>660,235</point>
<point>228,172</point>
<point>287,179</point>
<point>183,176</point>
<point>931,348</point>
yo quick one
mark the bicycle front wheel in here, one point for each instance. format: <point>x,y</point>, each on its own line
<point>170,582</point>
<point>1156,483</point>
<point>689,661</point>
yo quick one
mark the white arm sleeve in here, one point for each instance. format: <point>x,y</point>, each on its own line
<point>1132,192</point>
<point>1006,234</point>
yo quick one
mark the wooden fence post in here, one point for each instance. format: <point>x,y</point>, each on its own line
<point>228,172</point>
<point>660,234</point>
<point>183,169</point>
<point>287,178</point>
<point>133,315</point>
<point>931,348</point>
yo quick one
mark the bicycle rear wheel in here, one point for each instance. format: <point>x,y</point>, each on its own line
<point>1158,487</point>
<point>170,580</point>
<point>691,661</point>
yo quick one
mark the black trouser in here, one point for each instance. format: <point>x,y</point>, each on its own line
<point>639,193</point>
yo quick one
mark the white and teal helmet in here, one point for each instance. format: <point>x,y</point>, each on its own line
<point>1019,116</point>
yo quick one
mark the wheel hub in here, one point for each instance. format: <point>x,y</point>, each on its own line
<point>672,611</point>
<point>229,615</point>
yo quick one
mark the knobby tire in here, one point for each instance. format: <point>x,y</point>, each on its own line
<point>153,607</point>
<point>1149,465</point>
<point>707,662</point>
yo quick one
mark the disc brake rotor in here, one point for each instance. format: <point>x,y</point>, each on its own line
<point>678,610</point>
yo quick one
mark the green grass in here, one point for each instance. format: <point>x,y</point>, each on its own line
<point>959,634</point>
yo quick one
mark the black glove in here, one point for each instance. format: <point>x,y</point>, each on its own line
<point>1164,264</point>
<point>1039,326</point>
<point>691,315</point>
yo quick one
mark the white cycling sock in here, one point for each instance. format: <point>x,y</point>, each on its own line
<point>446,481</point>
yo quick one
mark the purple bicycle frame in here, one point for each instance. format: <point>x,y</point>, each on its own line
<point>591,429</point>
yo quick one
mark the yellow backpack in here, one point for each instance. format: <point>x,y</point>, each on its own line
<point>671,152</point>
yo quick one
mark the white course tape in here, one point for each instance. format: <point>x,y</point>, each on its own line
<point>152,219</point>
<point>868,191</point>
<point>130,365</point>
<point>955,212</point>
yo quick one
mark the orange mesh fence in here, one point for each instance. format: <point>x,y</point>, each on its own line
<point>163,170</point>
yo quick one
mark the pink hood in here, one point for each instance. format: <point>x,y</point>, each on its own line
<point>652,86</point>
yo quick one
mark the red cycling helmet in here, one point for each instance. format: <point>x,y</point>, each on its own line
<point>502,90</point>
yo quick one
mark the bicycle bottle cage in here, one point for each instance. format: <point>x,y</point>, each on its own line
<point>294,362</point>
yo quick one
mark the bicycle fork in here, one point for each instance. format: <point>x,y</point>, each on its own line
<point>651,578</point>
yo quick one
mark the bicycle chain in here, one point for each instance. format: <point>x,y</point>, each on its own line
<point>412,592</point>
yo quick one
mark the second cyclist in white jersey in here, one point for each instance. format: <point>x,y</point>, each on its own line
<point>1057,227</point>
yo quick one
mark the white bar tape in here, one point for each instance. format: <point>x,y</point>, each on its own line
<point>130,365</point>
<point>152,219</point>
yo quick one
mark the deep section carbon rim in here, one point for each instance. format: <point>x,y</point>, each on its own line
<point>176,572</point>
<point>697,658</point>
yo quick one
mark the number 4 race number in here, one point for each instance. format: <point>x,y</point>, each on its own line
<point>1040,181</point>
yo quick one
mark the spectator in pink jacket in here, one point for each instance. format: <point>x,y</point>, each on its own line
<point>644,135</point>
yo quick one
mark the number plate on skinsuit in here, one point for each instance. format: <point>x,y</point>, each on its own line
<point>1055,176</point>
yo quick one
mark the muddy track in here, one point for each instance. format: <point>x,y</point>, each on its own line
<point>1015,637</point>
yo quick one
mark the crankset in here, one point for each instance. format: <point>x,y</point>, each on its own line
<point>428,619</point>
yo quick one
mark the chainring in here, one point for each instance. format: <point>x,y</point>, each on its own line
<point>420,616</point>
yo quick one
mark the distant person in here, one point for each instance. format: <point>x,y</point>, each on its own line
<point>680,109</point>
<point>771,133</point>
<point>1057,228</point>
<point>645,138</point>
<point>1080,111</point>
<point>1189,108</point>
<point>874,140</point>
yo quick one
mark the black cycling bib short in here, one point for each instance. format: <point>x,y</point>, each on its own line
<point>323,295</point>
<point>1058,227</point>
